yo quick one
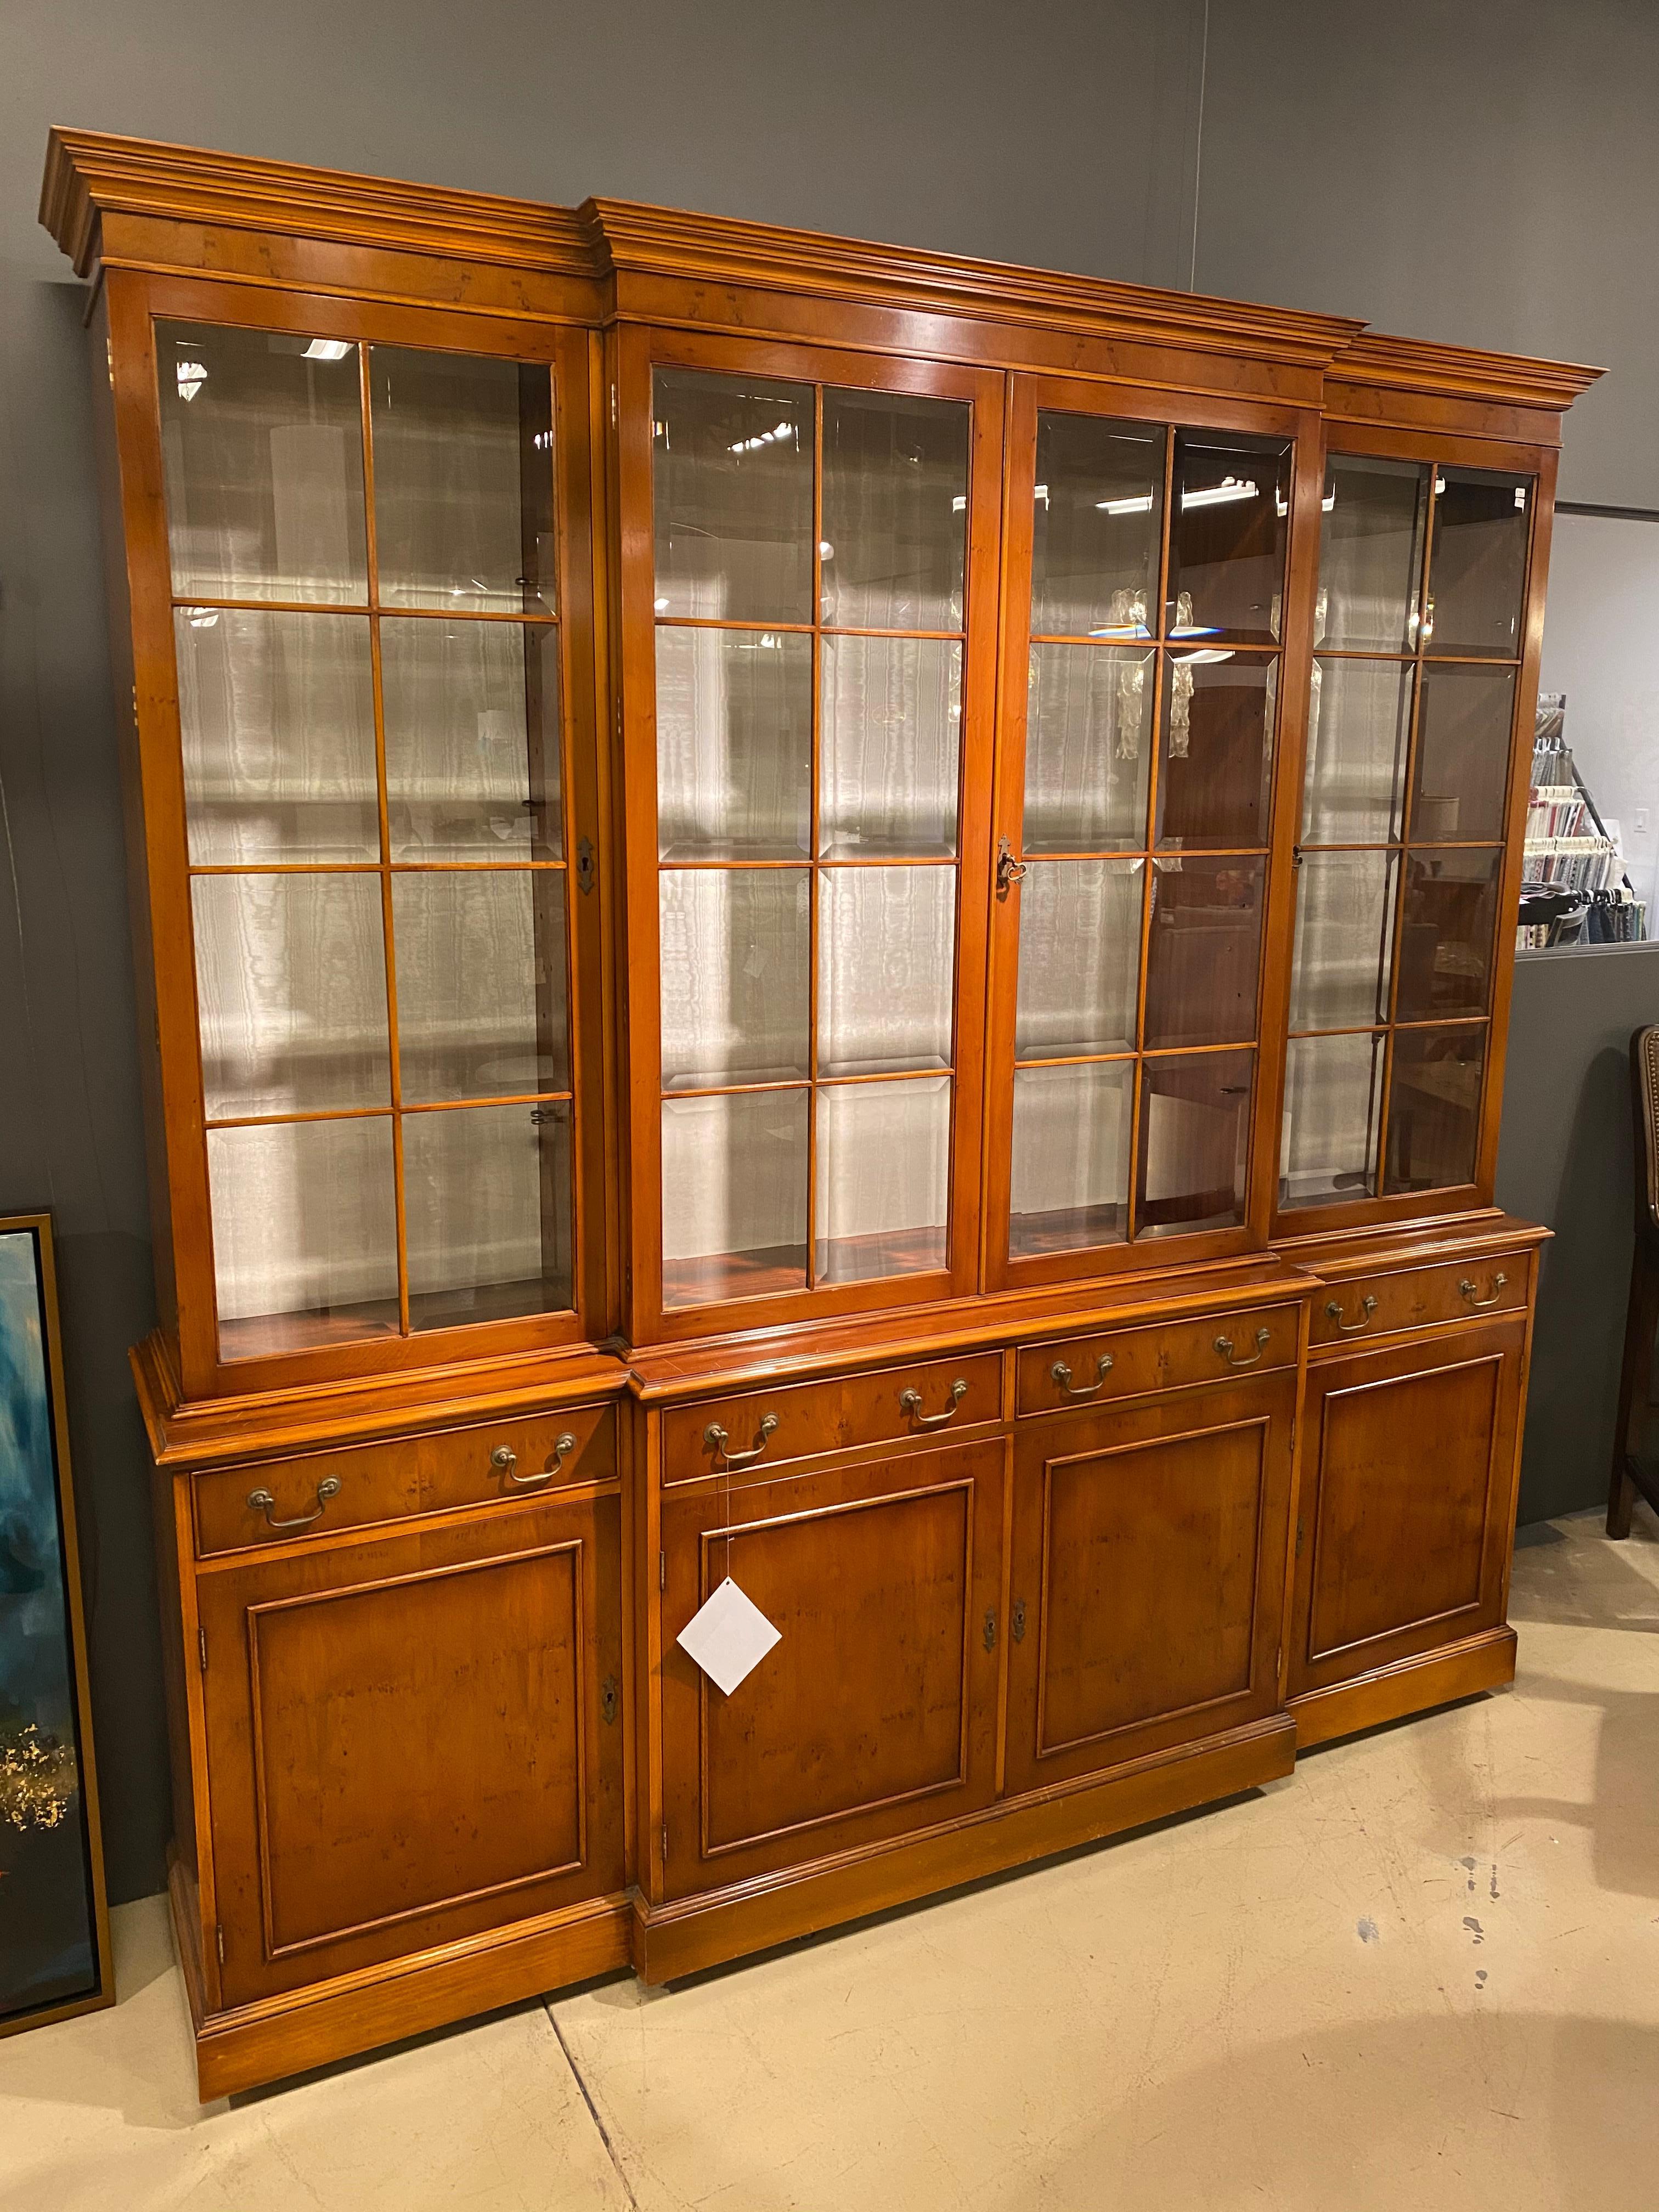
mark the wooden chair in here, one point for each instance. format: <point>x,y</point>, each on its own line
<point>1630,1478</point>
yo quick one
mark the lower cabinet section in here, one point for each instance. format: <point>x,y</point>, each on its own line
<point>411,1740</point>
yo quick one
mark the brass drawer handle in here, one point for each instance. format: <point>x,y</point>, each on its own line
<point>261,1501</point>
<point>1334,1312</point>
<point>911,1403</point>
<point>506,1461</point>
<point>1060,1373</point>
<point>1224,1344</point>
<point>714,1437</point>
<point>1467,1289</point>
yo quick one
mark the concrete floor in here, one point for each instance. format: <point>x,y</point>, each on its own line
<point>1422,1972</point>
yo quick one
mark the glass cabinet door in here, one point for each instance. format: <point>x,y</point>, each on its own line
<point>1418,641</point>
<point>1151,689</point>
<point>810,592</point>
<point>366,625</point>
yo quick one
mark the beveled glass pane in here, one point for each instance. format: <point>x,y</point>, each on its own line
<point>1096,527</point>
<point>890,731</point>
<point>481,982</point>
<point>886,965</point>
<point>1080,958</point>
<point>734,744</point>
<point>1434,1107</point>
<point>1333,1120</point>
<point>1195,1142</point>
<point>1217,750</point>
<point>1088,747</point>
<point>731,460</point>
<point>304,1234</point>
<point>1446,933</point>
<point>290,985</point>
<point>472,767</point>
<point>1462,771</point>
<point>884,1177</point>
<point>1227,537</point>
<point>895,511</point>
<point>735,993</point>
<point>1203,951</point>
<point>463,480</point>
<point>487,1214</point>
<point>1478,561</point>
<point>1371,553</point>
<point>1344,928</point>
<point>1070,1165</point>
<point>276,724</point>
<point>1359,714</point>
<point>733,1195</point>
<point>263,449</point>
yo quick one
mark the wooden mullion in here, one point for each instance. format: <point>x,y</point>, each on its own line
<point>814,879</point>
<point>362,610</point>
<point>1161,663</point>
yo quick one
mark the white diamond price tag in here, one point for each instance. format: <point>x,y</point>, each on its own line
<point>728,1636</point>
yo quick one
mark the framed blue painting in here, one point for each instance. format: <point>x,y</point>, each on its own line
<point>54,1929</point>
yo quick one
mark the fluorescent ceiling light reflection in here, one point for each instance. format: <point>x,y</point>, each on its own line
<point>1203,659</point>
<point>1142,506</point>
<point>765,438</point>
<point>192,376</point>
<point>1222,494</point>
<point>327,350</point>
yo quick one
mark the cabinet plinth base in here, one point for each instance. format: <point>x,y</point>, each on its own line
<point>261,2043</point>
<point>684,1937</point>
<point>1485,1661</point>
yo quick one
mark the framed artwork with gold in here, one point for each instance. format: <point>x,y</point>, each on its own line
<point>54,1927</point>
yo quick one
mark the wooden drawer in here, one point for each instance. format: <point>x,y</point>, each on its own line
<point>1366,1305</point>
<point>1123,1362</point>
<point>319,1492</point>
<point>809,1417</point>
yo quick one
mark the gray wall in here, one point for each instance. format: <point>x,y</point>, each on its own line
<point>1476,172</point>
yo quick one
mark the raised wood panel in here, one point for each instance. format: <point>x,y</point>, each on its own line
<point>876,1710</point>
<point>1148,1576</point>
<point>408,1742</point>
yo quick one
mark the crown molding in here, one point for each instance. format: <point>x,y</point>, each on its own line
<point>1397,364</point>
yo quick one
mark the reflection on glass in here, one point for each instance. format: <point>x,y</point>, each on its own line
<point>1195,1142</point>
<point>1359,725</point>
<point>883,1181</point>
<point>895,511</point>
<point>463,480</point>
<point>1434,1107</point>
<point>1071,1163</point>
<point>890,739</point>
<point>1227,536</point>
<point>732,462</point>
<point>734,744</point>
<point>1446,933</point>
<point>1344,926</point>
<point>263,449</point>
<point>1462,754</point>
<point>481,982</point>
<point>733,1195</point>
<point>886,964</point>
<point>1478,561</point>
<point>735,994</point>
<point>1333,1118</point>
<point>1096,527</point>
<point>1217,750</point>
<point>1371,553</point>
<point>472,740</point>
<point>276,720</point>
<point>1080,958</point>
<point>290,984</point>
<point>1202,952</point>
<point>1088,747</point>
<point>304,1234</point>
<point>487,1214</point>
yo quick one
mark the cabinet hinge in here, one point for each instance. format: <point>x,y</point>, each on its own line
<point>201,1646</point>
<point>613,406</point>
<point>1279,1664</point>
<point>219,1939</point>
<point>1292,1436</point>
<point>664,1838</point>
<point>662,1570</point>
<point>1298,1539</point>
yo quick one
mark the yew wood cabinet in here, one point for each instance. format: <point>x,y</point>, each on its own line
<point>811,913</point>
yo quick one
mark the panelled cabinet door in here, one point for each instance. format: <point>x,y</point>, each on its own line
<point>1148,1577</point>
<point>413,1740</point>
<point>875,1713</point>
<point>1407,1503</point>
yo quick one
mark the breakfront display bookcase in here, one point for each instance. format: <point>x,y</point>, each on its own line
<point>811,913</point>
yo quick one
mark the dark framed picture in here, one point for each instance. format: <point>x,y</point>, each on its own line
<point>54,1920</point>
